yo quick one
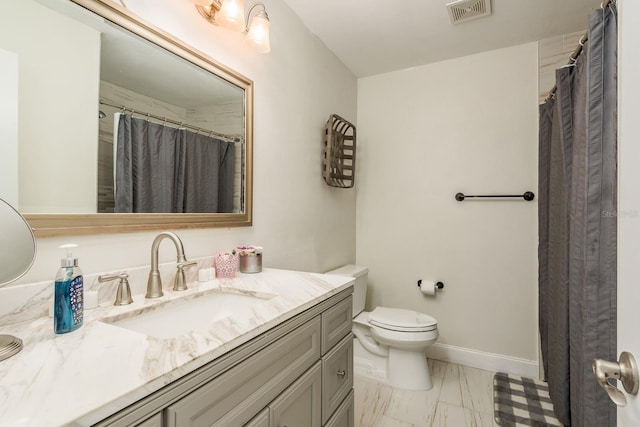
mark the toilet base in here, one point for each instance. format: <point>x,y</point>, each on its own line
<point>408,371</point>
<point>367,365</point>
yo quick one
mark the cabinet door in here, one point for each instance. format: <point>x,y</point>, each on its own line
<point>155,421</point>
<point>344,415</point>
<point>299,405</point>
<point>337,376</point>
<point>260,420</point>
<point>233,398</point>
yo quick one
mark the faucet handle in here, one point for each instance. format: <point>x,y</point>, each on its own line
<point>123,294</point>
<point>186,264</point>
<point>180,282</point>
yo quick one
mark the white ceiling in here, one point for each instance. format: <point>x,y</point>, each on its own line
<point>375,36</point>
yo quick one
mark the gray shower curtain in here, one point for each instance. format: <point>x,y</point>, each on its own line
<point>577,223</point>
<point>161,169</point>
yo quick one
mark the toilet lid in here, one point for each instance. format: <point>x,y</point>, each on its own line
<point>402,320</point>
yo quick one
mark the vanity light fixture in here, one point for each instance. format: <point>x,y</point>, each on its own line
<point>230,14</point>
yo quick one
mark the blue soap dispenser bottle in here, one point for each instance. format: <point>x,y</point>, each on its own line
<point>68,294</point>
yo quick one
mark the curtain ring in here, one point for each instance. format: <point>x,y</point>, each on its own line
<point>582,40</point>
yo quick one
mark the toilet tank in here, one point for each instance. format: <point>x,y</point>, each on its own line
<point>359,288</point>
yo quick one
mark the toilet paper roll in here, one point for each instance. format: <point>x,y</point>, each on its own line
<point>427,287</point>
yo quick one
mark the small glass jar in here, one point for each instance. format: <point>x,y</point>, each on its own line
<point>226,264</point>
<point>250,258</point>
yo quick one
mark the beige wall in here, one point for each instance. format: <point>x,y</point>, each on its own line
<point>425,133</point>
<point>9,127</point>
<point>302,223</point>
<point>43,91</point>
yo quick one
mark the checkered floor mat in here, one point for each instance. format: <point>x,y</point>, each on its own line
<point>520,401</point>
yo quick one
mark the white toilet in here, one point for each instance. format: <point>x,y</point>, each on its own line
<point>390,343</point>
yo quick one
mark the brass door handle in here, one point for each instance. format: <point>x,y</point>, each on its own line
<point>625,370</point>
<point>341,373</point>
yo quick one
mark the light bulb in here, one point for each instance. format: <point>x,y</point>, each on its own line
<point>231,15</point>
<point>258,34</point>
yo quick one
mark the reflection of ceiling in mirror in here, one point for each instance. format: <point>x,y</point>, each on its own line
<point>121,64</point>
<point>129,61</point>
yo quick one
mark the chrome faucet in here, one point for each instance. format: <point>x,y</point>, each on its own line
<point>154,284</point>
<point>123,294</point>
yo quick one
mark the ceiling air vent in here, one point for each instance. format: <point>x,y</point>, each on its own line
<point>466,10</point>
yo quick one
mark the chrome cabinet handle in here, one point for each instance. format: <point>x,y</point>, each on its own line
<point>341,373</point>
<point>625,370</point>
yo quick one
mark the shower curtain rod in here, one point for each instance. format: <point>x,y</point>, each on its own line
<point>234,138</point>
<point>576,53</point>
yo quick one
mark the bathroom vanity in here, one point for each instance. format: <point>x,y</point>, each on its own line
<point>289,362</point>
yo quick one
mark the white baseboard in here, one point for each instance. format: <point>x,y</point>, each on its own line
<point>483,360</point>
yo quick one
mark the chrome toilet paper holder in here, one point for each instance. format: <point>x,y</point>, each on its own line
<point>439,285</point>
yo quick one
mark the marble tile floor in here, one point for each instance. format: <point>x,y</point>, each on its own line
<point>460,397</point>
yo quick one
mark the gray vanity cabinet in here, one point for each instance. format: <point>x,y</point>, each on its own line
<point>235,396</point>
<point>260,420</point>
<point>300,404</point>
<point>297,374</point>
<point>336,323</point>
<point>344,415</point>
<point>337,376</point>
<point>155,421</point>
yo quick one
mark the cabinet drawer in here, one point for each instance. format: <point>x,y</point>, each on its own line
<point>337,376</point>
<point>336,323</point>
<point>299,405</point>
<point>234,397</point>
<point>344,415</point>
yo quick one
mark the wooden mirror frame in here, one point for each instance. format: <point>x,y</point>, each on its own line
<point>47,225</point>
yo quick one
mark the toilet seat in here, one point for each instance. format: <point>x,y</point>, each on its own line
<point>397,319</point>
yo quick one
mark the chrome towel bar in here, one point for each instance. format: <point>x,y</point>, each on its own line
<point>528,196</point>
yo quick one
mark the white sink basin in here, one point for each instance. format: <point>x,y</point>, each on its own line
<point>181,316</point>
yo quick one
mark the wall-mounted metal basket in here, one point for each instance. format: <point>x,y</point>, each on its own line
<point>339,160</point>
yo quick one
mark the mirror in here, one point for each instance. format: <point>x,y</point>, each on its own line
<point>16,257</point>
<point>19,246</point>
<point>83,65</point>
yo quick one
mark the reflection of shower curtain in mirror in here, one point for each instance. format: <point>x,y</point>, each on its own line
<point>161,169</point>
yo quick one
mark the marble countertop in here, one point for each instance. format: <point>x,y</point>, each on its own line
<point>82,377</point>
